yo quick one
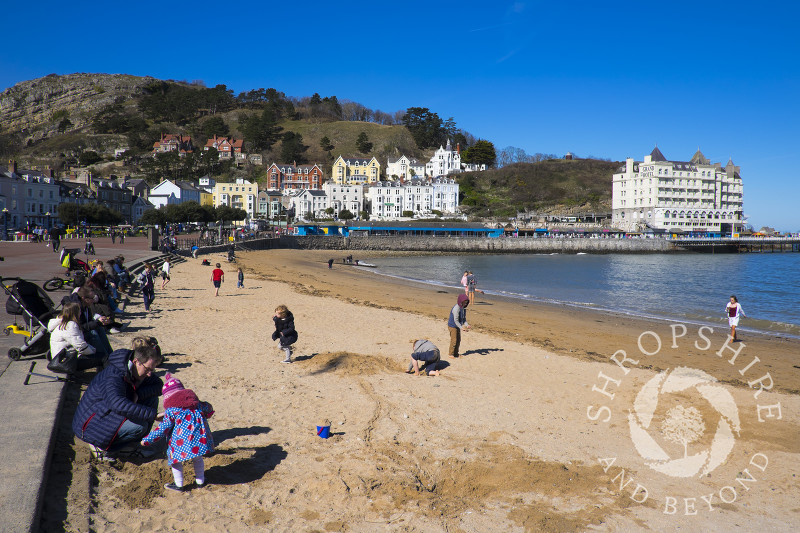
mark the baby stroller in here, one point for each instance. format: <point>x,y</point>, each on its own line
<point>89,248</point>
<point>70,262</point>
<point>29,301</point>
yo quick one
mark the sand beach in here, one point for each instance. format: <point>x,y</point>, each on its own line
<point>530,431</point>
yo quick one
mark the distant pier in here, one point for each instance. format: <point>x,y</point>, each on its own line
<point>738,244</point>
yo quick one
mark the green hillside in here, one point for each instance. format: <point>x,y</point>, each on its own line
<point>66,121</point>
<point>555,185</point>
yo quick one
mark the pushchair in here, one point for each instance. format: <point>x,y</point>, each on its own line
<point>29,301</point>
<point>70,262</point>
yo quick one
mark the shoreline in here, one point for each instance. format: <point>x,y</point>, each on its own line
<point>580,332</point>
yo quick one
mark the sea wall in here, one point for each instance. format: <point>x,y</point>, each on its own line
<point>477,244</point>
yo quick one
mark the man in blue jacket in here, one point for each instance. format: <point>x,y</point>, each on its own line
<point>121,403</point>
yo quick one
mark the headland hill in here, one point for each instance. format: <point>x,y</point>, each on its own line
<point>84,127</point>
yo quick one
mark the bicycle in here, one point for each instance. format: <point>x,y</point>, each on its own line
<point>57,283</point>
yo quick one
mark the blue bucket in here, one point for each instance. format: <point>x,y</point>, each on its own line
<point>324,431</point>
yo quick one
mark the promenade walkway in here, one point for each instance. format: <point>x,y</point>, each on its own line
<point>28,413</point>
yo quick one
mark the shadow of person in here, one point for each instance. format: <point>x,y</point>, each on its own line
<point>304,357</point>
<point>239,470</point>
<point>172,367</point>
<point>225,434</point>
<point>482,351</point>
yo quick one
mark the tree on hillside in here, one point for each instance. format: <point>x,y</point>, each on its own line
<point>292,148</point>
<point>326,144</point>
<point>214,126</point>
<point>363,144</point>
<point>89,157</point>
<point>260,130</point>
<point>345,214</point>
<point>480,153</point>
<point>425,126</point>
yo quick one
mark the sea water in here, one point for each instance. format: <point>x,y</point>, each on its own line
<point>692,288</point>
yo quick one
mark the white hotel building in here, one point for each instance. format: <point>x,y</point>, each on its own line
<point>694,196</point>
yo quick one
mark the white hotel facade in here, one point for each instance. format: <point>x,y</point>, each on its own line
<point>691,196</point>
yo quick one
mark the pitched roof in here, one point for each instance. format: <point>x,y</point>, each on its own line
<point>656,155</point>
<point>699,159</point>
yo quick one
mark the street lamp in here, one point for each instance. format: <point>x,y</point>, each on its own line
<point>5,224</point>
<point>48,220</point>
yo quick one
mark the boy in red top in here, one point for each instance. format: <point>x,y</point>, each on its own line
<point>217,276</point>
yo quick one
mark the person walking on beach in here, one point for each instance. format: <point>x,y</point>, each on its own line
<point>330,263</point>
<point>217,277</point>
<point>284,333</point>
<point>456,323</point>
<point>734,310</point>
<point>148,284</point>
<point>165,273</point>
<point>185,426</point>
<point>472,287</point>
<point>240,281</point>
<point>428,353</point>
<point>464,281</point>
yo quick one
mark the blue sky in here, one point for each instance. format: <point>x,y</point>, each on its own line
<point>606,79</point>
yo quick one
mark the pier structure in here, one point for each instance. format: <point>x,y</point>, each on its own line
<point>737,244</point>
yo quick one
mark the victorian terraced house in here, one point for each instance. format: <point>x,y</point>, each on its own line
<point>355,170</point>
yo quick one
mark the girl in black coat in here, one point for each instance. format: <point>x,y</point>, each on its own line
<point>284,333</point>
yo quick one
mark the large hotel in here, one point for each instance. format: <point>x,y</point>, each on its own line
<point>695,196</point>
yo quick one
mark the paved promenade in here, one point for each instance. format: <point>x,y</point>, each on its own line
<point>28,413</point>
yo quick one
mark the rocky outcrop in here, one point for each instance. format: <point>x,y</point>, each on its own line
<point>36,107</point>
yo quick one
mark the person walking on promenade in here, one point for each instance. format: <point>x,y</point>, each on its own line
<point>165,274</point>
<point>113,236</point>
<point>185,426</point>
<point>240,280</point>
<point>217,277</point>
<point>734,310</point>
<point>148,284</point>
<point>55,238</point>
<point>284,333</point>
<point>456,323</point>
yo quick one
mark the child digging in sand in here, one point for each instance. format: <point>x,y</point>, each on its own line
<point>284,333</point>
<point>185,426</point>
<point>427,353</point>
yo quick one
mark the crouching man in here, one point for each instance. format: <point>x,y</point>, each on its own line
<point>121,404</point>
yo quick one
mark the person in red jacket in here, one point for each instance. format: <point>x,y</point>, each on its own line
<point>217,277</point>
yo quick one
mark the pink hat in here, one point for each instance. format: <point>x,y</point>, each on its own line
<point>171,386</point>
<point>462,298</point>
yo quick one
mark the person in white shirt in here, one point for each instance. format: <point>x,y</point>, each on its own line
<point>734,310</point>
<point>65,332</point>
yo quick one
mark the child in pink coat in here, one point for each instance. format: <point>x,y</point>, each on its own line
<point>185,426</point>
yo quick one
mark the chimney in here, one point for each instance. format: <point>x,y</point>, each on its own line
<point>12,166</point>
<point>458,148</point>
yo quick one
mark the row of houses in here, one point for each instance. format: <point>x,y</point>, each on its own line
<point>31,198</point>
<point>446,161</point>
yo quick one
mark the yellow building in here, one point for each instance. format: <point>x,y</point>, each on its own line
<point>240,195</point>
<point>206,198</point>
<point>355,171</point>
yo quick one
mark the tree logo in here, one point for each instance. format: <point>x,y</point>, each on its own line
<point>683,425</point>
